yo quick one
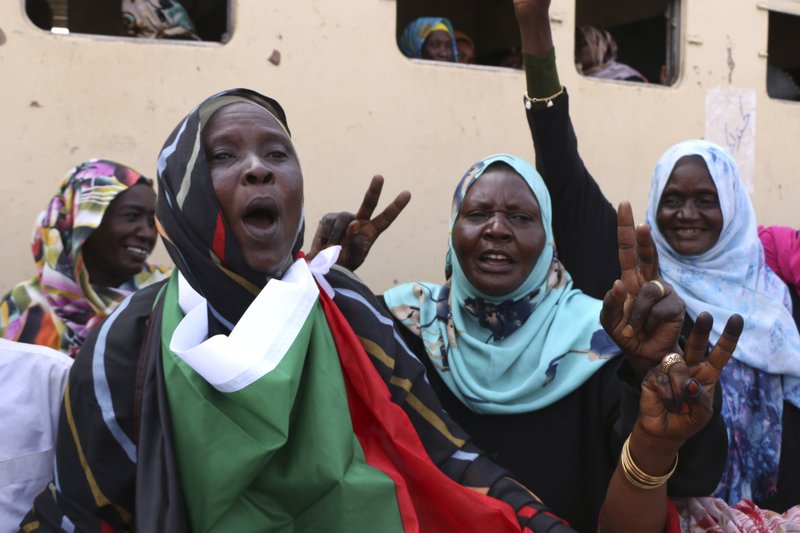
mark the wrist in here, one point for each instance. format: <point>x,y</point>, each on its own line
<point>654,455</point>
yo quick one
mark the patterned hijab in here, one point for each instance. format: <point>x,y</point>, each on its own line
<point>59,306</point>
<point>732,277</point>
<point>513,354</point>
<point>413,37</point>
<point>191,222</point>
<point>165,19</point>
<point>603,52</point>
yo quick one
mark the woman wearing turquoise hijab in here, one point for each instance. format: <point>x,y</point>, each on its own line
<point>503,358</point>
<point>520,360</point>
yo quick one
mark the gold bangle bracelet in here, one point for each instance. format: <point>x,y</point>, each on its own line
<point>636,476</point>
<point>547,99</point>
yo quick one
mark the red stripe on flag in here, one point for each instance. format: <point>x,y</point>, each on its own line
<point>427,498</point>
<point>673,524</point>
<point>218,244</point>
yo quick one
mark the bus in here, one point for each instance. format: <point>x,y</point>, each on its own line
<point>357,107</point>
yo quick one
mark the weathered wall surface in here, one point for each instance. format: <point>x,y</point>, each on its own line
<point>356,107</point>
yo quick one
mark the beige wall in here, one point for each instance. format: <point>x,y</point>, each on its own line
<point>357,107</point>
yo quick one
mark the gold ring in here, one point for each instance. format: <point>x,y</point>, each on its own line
<point>669,360</point>
<point>660,287</point>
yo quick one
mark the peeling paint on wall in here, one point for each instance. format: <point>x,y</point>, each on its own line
<point>731,123</point>
<point>275,58</point>
<point>731,62</point>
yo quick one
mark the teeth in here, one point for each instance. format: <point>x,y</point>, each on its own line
<point>688,231</point>
<point>138,251</point>
<point>495,257</point>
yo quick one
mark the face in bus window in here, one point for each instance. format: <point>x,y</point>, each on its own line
<point>466,51</point>
<point>118,248</point>
<point>257,180</point>
<point>689,214</point>
<point>438,46</point>
<point>498,234</point>
<point>583,53</point>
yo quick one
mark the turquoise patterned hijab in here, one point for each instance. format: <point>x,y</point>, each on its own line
<point>511,354</point>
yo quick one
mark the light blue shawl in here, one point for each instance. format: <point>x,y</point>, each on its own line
<point>526,350</point>
<point>732,277</point>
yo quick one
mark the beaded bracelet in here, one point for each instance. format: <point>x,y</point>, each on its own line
<point>636,476</point>
<point>547,99</point>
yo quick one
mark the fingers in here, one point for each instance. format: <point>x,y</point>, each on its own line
<point>644,307</point>
<point>697,343</point>
<point>674,404</point>
<point>657,392</point>
<point>612,313</point>
<point>697,402</point>
<point>669,308</point>
<point>338,228</point>
<point>680,392</point>
<point>321,237</point>
<point>726,344</point>
<point>646,253</point>
<point>388,215</point>
<point>371,198</point>
<point>626,240</point>
<point>678,374</point>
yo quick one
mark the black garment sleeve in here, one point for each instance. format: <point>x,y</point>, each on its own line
<point>584,222</point>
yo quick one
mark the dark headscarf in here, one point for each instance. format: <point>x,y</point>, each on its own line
<point>191,221</point>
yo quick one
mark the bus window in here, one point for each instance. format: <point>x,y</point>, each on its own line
<point>197,20</point>
<point>486,30</point>
<point>783,49</point>
<point>40,13</point>
<point>629,40</point>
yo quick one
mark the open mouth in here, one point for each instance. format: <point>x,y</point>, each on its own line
<point>495,259</point>
<point>260,216</point>
<point>137,252</point>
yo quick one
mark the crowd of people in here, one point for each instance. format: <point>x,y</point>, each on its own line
<point>254,387</point>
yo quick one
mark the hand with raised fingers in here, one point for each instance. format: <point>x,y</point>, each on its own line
<point>521,6</point>
<point>534,25</point>
<point>642,313</point>
<point>357,233</point>
<point>677,395</point>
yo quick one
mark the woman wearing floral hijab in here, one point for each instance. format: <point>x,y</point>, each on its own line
<point>704,228</point>
<point>90,246</point>
<point>728,275</point>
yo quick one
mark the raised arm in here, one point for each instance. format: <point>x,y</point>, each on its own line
<point>676,403</point>
<point>584,222</point>
<point>644,316</point>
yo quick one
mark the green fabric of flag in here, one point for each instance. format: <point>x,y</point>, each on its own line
<point>280,454</point>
